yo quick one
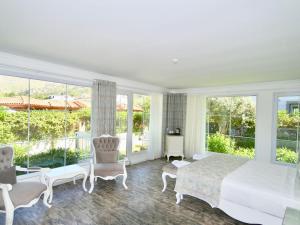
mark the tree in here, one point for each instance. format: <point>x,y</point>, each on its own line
<point>235,112</point>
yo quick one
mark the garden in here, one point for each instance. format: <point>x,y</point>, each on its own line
<point>231,128</point>
<point>52,136</point>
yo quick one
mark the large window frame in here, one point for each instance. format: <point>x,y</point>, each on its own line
<point>66,137</point>
<point>276,97</point>
<point>239,94</point>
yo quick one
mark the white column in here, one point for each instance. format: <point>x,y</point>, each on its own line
<point>264,126</point>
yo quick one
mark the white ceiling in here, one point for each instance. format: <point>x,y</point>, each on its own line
<point>217,42</point>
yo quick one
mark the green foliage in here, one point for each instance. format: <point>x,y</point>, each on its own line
<point>235,112</point>
<point>244,142</point>
<point>121,122</point>
<point>137,123</point>
<point>286,155</point>
<point>52,158</point>
<point>286,120</point>
<point>243,152</point>
<point>44,124</point>
<point>20,156</point>
<point>220,143</point>
<point>223,144</point>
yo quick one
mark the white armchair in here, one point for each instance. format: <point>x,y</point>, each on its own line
<point>15,195</point>
<point>105,164</point>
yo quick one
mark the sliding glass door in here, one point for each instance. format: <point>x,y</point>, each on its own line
<point>122,123</point>
<point>140,122</point>
<point>132,123</point>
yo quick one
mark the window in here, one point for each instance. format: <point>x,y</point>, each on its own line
<point>141,122</point>
<point>47,123</point>
<point>231,125</point>
<point>121,123</point>
<point>288,121</point>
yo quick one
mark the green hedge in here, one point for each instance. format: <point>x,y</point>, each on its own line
<point>52,158</point>
<point>224,144</point>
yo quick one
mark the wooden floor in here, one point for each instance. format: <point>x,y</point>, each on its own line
<point>142,203</point>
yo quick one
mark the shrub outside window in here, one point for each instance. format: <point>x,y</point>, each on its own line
<point>288,131</point>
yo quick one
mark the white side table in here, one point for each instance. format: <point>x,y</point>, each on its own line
<point>174,146</point>
<point>63,173</point>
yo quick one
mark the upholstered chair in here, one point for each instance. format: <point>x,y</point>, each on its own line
<point>105,164</point>
<point>15,195</point>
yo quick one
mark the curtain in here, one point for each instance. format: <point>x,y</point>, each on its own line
<point>103,107</point>
<point>195,125</point>
<point>174,114</point>
<point>156,126</point>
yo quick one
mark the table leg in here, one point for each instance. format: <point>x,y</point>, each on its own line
<point>84,181</point>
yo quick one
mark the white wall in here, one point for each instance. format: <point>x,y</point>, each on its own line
<point>265,109</point>
<point>33,68</point>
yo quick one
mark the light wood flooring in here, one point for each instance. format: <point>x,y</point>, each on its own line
<point>142,203</point>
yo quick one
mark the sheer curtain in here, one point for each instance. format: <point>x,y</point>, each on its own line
<point>156,126</point>
<point>103,107</point>
<point>195,125</point>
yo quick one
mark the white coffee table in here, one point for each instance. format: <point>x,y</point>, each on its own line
<point>63,173</point>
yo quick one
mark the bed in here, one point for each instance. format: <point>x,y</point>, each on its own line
<point>247,190</point>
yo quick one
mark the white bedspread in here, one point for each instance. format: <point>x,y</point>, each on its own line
<point>268,188</point>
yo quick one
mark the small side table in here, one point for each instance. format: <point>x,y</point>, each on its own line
<point>174,146</point>
<point>64,173</point>
<point>291,217</point>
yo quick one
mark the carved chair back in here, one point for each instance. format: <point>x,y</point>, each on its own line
<point>106,149</point>
<point>7,170</point>
<point>6,157</point>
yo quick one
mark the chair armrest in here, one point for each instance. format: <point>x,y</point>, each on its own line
<point>5,187</point>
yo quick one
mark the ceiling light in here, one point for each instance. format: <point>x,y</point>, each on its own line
<point>175,60</point>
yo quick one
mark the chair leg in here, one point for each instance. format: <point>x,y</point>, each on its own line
<point>9,217</point>
<point>124,180</point>
<point>45,199</point>
<point>92,180</point>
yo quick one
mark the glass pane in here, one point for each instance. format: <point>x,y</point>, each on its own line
<point>121,123</point>
<point>219,124</point>
<point>47,124</point>
<point>78,124</point>
<point>231,125</point>
<point>14,99</point>
<point>219,106</point>
<point>287,142</point>
<point>141,121</point>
